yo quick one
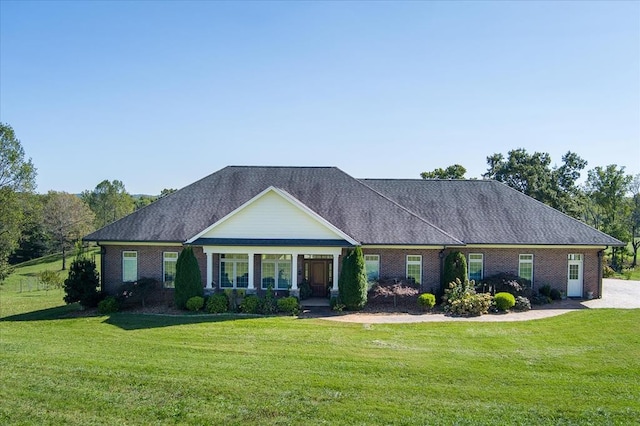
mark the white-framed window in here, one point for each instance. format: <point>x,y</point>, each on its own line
<point>234,270</point>
<point>414,268</point>
<point>525,267</point>
<point>276,271</point>
<point>129,266</point>
<point>169,261</point>
<point>476,266</point>
<point>372,267</point>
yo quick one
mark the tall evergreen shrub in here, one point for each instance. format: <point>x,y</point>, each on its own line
<point>455,266</point>
<point>188,281</point>
<point>352,283</point>
<point>82,283</point>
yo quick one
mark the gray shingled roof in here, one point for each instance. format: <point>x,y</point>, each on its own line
<point>488,212</point>
<point>371,211</point>
<point>345,202</point>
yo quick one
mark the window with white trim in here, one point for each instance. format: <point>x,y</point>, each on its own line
<point>414,269</point>
<point>476,266</point>
<point>129,266</point>
<point>276,271</point>
<point>372,267</point>
<point>234,270</point>
<point>169,261</point>
<point>525,267</point>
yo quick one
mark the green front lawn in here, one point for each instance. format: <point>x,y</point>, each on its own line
<point>60,368</point>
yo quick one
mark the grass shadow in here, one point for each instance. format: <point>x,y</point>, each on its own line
<point>130,322</point>
<point>58,312</point>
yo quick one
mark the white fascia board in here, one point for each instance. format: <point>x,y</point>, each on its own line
<point>291,199</point>
<point>335,251</point>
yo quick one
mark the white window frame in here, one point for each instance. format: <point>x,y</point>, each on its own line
<point>372,259</point>
<point>479,259</point>
<point>165,259</point>
<point>133,259</point>
<point>276,262</point>
<point>413,263</point>
<point>233,261</point>
<point>525,259</point>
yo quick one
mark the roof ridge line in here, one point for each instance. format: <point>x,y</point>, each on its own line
<point>406,209</point>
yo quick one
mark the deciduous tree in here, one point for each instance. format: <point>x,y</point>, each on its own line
<point>109,201</point>
<point>455,171</point>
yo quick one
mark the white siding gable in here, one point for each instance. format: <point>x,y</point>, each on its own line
<point>272,215</point>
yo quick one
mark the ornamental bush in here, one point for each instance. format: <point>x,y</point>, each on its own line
<point>545,290</point>
<point>289,305</point>
<point>504,301</point>
<point>108,306</point>
<point>82,283</point>
<point>352,283</point>
<point>269,305</point>
<point>426,301</point>
<point>218,303</point>
<point>506,282</point>
<point>195,303</point>
<point>522,304</point>
<point>555,294</point>
<point>188,281</point>
<point>250,304</point>
<point>455,267</point>
<point>461,299</point>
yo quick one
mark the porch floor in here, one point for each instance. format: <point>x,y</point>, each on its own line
<point>314,302</point>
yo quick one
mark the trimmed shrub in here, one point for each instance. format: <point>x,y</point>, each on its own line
<point>289,305</point>
<point>188,281</point>
<point>461,299</point>
<point>218,303</point>
<point>250,304</point>
<point>137,292</point>
<point>555,294</point>
<point>522,304</point>
<point>426,301</point>
<point>507,283</point>
<point>195,303</point>
<point>545,290</point>
<point>305,290</point>
<point>269,304</point>
<point>352,283</point>
<point>82,283</point>
<point>108,306</point>
<point>504,301</point>
<point>540,299</point>
<point>455,267</point>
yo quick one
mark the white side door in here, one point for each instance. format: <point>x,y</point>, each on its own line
<point>574,274</point>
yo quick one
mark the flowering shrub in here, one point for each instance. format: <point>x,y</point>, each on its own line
<point>461,299</point>
<point>504,301</point>
<point>505,282</point>
<point>522,304</point>
<point>195,303</point>
<point>426,301</point>
<point>137,292</point>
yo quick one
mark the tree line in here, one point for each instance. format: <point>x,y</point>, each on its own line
<point>609,199</point>
<point>33,225</point>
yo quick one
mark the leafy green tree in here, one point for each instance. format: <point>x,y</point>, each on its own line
<point>188,280</point>
<point>141,201</point>
<point>455,266</point>
<point>533,175</point>
<point>17,176</point>
<point>607,187</point>
<point>109,201</point>
<point>166,191</point>
<point>67,218</point>
<point>455,171</point>
<point>82,283</point>
<point>352,283</point>
<point>34,241</point>
<point>635,218</point>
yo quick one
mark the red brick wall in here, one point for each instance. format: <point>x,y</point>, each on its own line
<point>393,264</point>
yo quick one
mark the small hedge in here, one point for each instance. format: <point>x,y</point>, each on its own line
<point>555,294</point>
<point>289,305</point>
<point>108,306</point>
<point>195,303</point>
<point>426,301</point>
<point>218,303</point>
<point>250,304</point>
<point>504,301</point>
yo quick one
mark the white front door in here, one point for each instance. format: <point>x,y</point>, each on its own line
<point>574,282</point>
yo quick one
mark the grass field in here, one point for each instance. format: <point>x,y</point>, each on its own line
<point>59,367</point>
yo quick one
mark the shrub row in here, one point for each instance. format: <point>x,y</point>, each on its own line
<point>219,303</point>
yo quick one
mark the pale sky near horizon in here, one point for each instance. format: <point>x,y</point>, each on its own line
<point>160,94</point>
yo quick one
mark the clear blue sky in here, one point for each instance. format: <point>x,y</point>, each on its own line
<point>159,94</point>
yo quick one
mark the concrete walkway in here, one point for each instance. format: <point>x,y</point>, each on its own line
<point>616,294</point>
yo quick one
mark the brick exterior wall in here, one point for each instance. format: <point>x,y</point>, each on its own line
<point>549,265</point>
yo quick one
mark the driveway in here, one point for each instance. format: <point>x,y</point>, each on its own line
<point>619,294</point>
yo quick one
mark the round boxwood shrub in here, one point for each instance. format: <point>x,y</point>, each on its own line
<point>426,301</point>
<point>250,304</point>
<point>195,303</point>
<point>218,303</point>
<point>504,301</point>
<point>108,306</point>
<point>289,305</point>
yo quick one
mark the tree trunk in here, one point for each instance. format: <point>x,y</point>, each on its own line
<point>64,260</point>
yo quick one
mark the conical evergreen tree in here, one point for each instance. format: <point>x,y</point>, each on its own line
<point>188,281</point>
<point>352,283</point>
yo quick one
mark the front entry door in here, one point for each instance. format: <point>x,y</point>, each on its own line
<point>318,279</point>
<point>574,282</point>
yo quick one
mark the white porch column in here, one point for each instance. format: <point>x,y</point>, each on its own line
<point>294,272</point>
<point>209,270</point>
<point>334,289</point>
<point>251,264</point>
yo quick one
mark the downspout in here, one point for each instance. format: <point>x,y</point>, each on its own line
<point>600,255</point>
<point>103,251</point>
<point>441,256</point>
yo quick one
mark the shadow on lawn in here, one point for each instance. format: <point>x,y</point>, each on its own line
<point>145,321</point>
<point>59,312</point>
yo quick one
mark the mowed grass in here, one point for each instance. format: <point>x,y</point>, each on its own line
<point>60,368</point>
